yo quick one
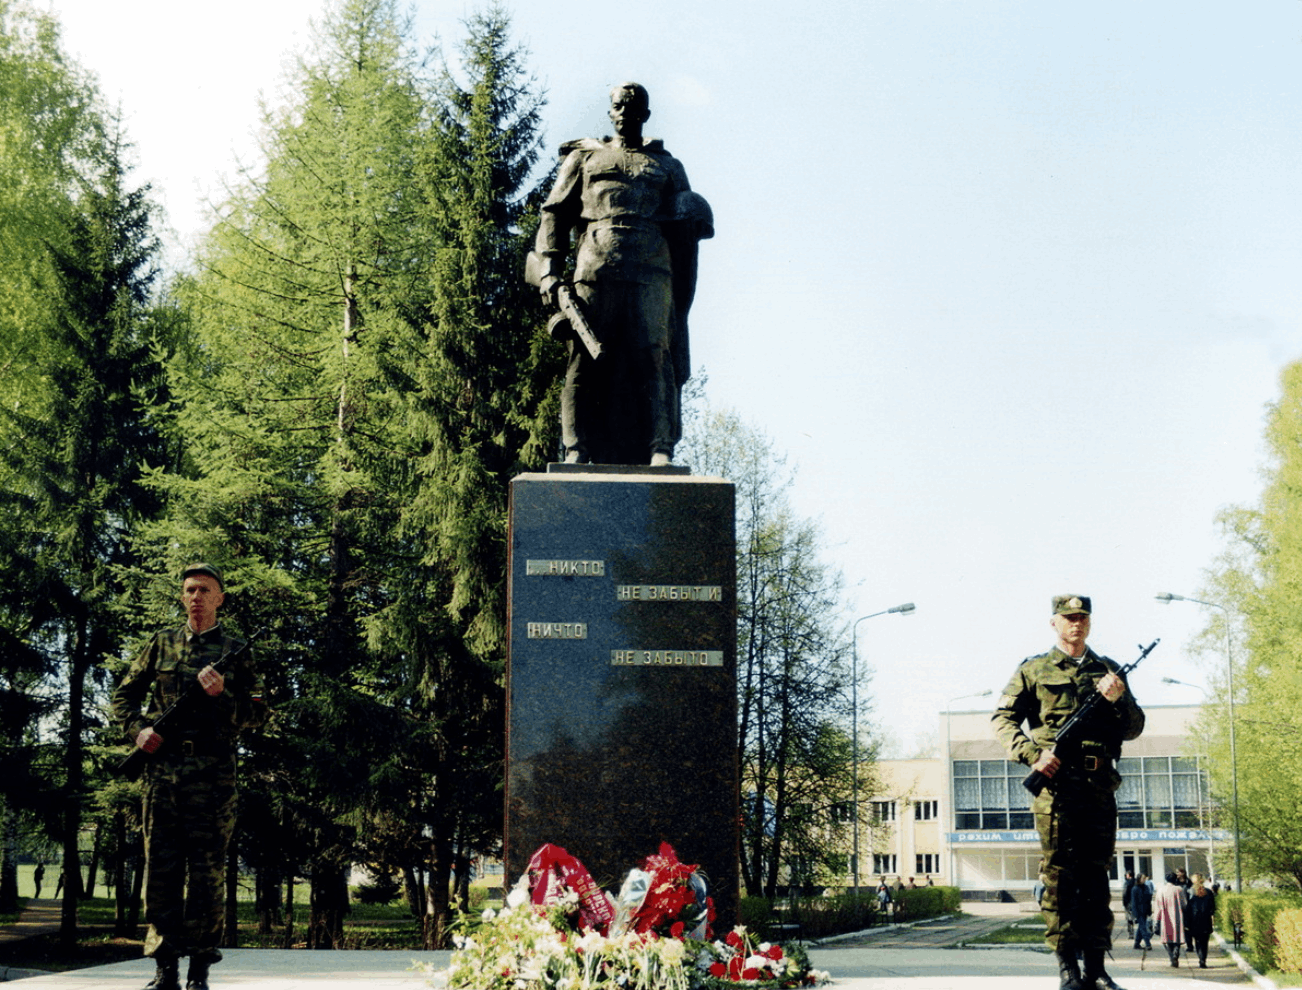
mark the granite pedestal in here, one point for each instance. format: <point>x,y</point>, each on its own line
<point>621,697</point>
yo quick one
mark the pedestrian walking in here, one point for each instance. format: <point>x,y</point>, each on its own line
<point>1200,917</point>
<point>1169,913</point>
<point>1141,906</point>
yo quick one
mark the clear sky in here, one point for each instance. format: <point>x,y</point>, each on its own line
<point>1011,282</point>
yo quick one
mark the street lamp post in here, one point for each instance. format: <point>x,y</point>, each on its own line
<point>949,769</point>
<point>904,609</point>
<point>1204,800</point>
<point>1166,598</point>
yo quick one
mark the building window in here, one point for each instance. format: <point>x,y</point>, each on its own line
<point>884,811</point>
<point>988,794</point>
<point>928,862</point>
<point>926,811</point>
<point>842,811</point>
<point>1162,792</point>
<point>884,863</point>
<point>1156,792</point>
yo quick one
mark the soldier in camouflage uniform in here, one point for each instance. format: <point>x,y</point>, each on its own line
<point>189,787</point>
<point>1076,814</point>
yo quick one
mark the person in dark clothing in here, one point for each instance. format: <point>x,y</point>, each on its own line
<point>1199,917</point>
<point>1141,906</point>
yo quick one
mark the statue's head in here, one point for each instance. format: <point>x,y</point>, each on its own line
<point>630,106</point>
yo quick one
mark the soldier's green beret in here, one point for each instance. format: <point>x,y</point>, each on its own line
<point>1070,604</point>
<point>199,567</point>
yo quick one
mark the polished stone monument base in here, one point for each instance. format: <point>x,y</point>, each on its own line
<point>621,697</point>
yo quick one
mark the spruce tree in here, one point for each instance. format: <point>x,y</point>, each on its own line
<point>74,452</point>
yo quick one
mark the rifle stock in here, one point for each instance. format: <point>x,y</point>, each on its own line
<point>134,763</point>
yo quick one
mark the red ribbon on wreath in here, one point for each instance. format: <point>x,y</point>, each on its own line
<point>551,867</point>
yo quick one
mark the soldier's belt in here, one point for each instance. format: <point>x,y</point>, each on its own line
<point>1092,762</point>
<point>201,747</point>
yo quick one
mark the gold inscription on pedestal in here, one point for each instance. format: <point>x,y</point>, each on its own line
<point>669,593</point>
<point>565,568</point>
<point>556,630</point>
<point>666,658</point>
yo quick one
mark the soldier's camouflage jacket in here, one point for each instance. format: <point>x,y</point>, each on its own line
<point>1046,690</point>
<point>168,666</point>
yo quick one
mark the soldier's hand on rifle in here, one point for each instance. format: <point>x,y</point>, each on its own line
<point>148,740</point>
<point>1047,764</point>
<point>212,681</point>
<point>1111,687</point>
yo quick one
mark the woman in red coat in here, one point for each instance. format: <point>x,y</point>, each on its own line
<point>1168,915</point>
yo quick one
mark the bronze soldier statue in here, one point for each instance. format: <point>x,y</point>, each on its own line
<point>623,307</point>
<point>189,789</point>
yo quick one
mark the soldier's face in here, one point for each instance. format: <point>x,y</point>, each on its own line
<point>1073,629</point>
<point>201,596</point>
<point>627,112</point>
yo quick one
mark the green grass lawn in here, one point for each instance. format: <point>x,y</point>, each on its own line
<point>1027,930</point>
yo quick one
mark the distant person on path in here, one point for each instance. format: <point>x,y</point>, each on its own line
<point>1141,906</point>
<point>1125,902</point>
<point>189,788</point>
<point>38,875</point>
<point>884,898</point>
<point>1076,814</point>
<point>1200,917</point>
<point>1169,916</point>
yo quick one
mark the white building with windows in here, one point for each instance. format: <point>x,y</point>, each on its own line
<point>965,819</point>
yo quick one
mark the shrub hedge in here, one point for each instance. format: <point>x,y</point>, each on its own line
<point>1288,935</point>
<point>1259,911</point>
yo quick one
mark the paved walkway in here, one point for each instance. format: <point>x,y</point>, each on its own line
<point>926,956</point>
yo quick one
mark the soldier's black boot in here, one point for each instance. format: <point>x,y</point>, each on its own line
<point>166,975</point>
<point>1069,971</point>
<point>196,977</point>
<point>1096,977</point>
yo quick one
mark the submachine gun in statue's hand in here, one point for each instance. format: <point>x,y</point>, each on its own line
<point>1079,719</point>
<point>570,321</point>
<point>133,765</point>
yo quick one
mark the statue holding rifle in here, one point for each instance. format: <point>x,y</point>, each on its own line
<point>623,308</point>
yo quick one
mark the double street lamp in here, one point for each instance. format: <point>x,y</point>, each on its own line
<point>1166,598</point>
<point>904,609</point>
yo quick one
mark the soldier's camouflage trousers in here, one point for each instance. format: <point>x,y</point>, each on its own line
<point>189,816</point>
<point>1077,822</point>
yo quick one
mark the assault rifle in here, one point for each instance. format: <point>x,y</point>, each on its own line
<point>1076,723</point>
<point>133,765</point>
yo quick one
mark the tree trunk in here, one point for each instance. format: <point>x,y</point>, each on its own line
<point>438,910</point>
<point>92,872</point>
<point>73,782</point>
<point>414,889</point>
<point>289,911</point>
<point>9,863</point>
